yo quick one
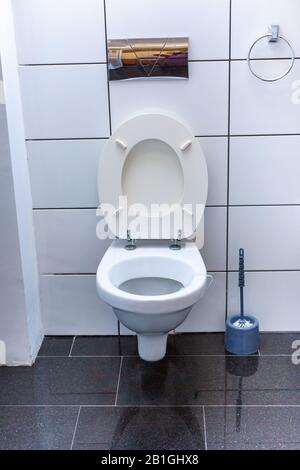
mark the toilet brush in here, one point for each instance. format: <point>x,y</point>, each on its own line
<point>242,331</point>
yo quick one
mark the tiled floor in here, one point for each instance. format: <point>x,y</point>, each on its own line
<point>96,393</point>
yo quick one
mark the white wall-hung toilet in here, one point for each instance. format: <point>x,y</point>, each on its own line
<point>152,184</point>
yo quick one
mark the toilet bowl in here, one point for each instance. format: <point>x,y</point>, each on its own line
<point>151,289</point>
<point>152,277</point>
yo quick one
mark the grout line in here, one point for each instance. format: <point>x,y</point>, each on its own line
<point>119,377</point>
<point>264,58</point>
<point>209,271</point>
<point>167,355</point>
<point>90,356</point>
<point>263,271</point>
<point>45,139</point>
<point>107,70</point>
<point>75,429</point>
<point>209,136</point>
<point>71,349</point>
<point>170,355</point>
<point>228,165</point>
<point>81,208</point>
<point>60,208</point>
<point>204,425</point>
<point>264,205</point>
<point>153,406</point>
<point>240,59</point>
<point>275,355</point>
<point>64,63</point>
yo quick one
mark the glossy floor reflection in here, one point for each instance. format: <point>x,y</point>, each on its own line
<point>140,428</point>
<point>96,393</point>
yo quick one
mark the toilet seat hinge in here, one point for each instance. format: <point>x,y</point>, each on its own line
<point>131,245</point>
<point>176,243</point>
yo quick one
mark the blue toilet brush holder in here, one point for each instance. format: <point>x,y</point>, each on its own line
<point>242,330</point>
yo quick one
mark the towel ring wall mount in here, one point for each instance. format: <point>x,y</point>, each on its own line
<point>273,36</point>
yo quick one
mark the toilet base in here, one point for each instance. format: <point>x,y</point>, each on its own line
<point>152,347</point>
<point>152,330</point>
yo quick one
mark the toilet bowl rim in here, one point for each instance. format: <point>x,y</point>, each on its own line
<point>112,294</point>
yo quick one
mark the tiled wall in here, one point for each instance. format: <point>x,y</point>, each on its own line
<point>249,130</point>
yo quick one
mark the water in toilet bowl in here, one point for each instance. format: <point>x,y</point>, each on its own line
<point>151,286</point>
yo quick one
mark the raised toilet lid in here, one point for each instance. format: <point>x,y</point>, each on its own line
<point>152,159</point>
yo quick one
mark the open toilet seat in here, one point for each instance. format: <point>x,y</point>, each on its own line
<point>153,159</point>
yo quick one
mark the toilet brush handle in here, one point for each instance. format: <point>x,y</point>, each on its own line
<point>241,279</point>
<point>241,268</point>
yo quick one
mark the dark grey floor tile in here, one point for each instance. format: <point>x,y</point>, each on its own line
<point>90,446</point>
<point>278,343</point>
<point>181,344</point>
<point>253,428</point>
<point>37,428</point>
<point>264,380</point>
<point>61,381</point>
<point>129,428</point>
<point>196,343</point>
<point>56,346</point>
<point>211,380</point>
<point>174,380</point>
<point>105,346</point>
<point>254,446</point>
<point>96,346</point>
<point>178,345</point>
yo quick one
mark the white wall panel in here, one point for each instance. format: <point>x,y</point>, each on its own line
<point>270,236</point>
<point>201,101</point>
<point>59,31</point>
<point>250,20</point>
<point>273,297</point>
<point>215,151</point>
<point>67,242</point>
<point>265,170</point>
<point>209,313</point>
<point>214,250</point>
<point>66,113</point>
<point>63,173</point>
<point>259,107</point>
<point>203,21</point>
<point>65,101</point>
<point>71,306</point>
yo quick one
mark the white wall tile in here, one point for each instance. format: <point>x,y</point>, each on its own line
<point>250,20</point>
<point>272,297</point>
<point>71,102</point>
<point>203,21</point>
<point>259,107</point>
<point>66,241</point>
<point>59,31</point>
<point>65,101</point>
<point>270,236</point>
<point>71,306</point>
<point>201,101</point>
<point>63,173</point>
<point>215,151</point>
<point>126,331</point>
<point>265,170</point>
<point>209,313</point>
<point>214,250</point>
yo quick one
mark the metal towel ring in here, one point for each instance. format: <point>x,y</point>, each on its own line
<point>273,37</point>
